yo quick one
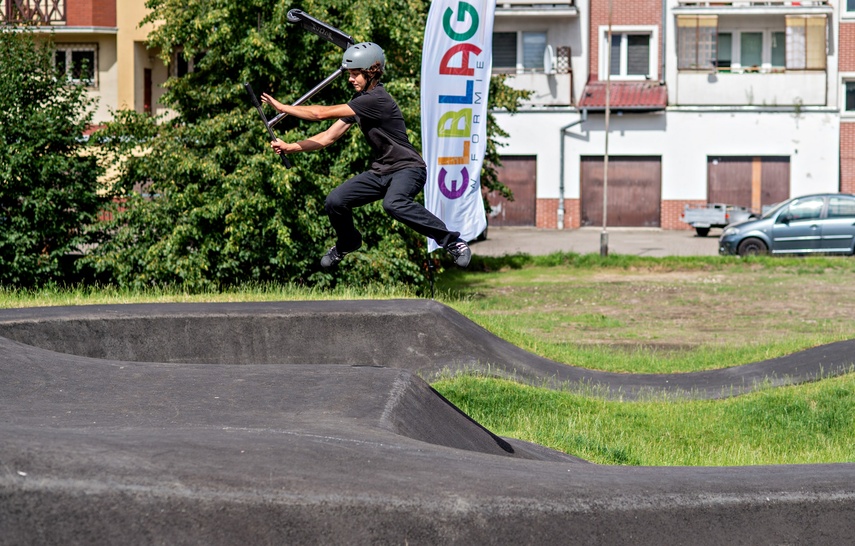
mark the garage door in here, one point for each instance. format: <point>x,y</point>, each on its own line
<point>519,174</point>
<point>634,191</point>
<point>752,182</point>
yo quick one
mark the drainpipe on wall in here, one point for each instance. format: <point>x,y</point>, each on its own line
<point>582,119</point>
<point>664,27</point>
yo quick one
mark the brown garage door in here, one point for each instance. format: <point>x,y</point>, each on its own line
<point>634,191</point>
<point>748,181</point>
<point>519,174</point>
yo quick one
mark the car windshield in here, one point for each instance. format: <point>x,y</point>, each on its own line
<point>775,209</point>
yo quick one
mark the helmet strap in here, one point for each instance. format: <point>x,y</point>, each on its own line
<point>372,78</point>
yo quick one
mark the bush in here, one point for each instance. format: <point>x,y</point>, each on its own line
<point>49,189</point>
<point>220,209</point>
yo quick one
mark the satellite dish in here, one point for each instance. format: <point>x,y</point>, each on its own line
<point>548,60</point>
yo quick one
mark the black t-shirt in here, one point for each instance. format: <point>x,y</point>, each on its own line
<point>382,123</point>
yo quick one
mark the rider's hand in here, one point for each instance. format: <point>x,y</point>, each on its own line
<point>267,99</point>
<point>280,147</point>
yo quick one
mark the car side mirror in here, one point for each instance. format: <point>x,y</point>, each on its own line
<point>785,218</point>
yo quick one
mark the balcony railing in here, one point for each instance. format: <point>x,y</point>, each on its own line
<point>536,4</point>
<point>32,12</point>
<point>754,4</point>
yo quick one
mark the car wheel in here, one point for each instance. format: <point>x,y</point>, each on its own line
<point>703,231</point>
<point>752,246</point>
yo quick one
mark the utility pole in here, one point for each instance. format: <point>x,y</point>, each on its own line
<point>604,235</point>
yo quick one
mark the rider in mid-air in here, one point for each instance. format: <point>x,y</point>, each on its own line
<point>398,172</point>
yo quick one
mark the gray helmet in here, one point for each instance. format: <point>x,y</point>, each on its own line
<point>362,56</point>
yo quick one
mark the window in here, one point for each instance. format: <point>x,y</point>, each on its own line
<point>631,53</point>
<point>698,47</point>
<point>841,207</point>
<point>78,63</point>
<point>850,5</point>
<point>751,51</point>
<point>637,54</point>
<point>799,44</point>
<point>183,65</point>
<point>518,51</point>
<point>779,49</point>
<point>724,53</point>
<point>806,209</point>
<point>533,46</point>
<point>850,96</point>
<point>806,42</point>
<point>505,51</point>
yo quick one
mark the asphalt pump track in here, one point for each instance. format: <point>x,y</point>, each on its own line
<point>314,422</point>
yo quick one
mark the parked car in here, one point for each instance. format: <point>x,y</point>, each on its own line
<point>810,224</point>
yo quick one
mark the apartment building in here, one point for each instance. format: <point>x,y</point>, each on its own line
<point>737,102</point>
<point>745,101</point>
<point>99,44</point>
<point>846,99</point>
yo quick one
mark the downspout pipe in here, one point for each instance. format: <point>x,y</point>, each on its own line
<point>582,119</point>
<point>663,42</point>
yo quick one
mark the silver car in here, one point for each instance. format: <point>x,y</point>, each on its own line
<point>810,224</point>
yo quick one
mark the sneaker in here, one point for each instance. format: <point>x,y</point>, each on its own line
<point>332,257</point>
<point>459,250</point>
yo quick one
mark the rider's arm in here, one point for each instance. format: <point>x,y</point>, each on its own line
<point>317,142</point>
<point>313,112</point>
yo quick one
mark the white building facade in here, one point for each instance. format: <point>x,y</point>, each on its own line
<point>736,102</point>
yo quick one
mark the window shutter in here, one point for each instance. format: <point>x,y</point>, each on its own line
<point>505,50</point>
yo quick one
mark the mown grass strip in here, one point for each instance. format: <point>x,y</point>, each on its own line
<point>95,295</point>
<point>813,423</point>
<point>658,315</point>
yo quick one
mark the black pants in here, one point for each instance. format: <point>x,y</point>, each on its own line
<point>397,190</point>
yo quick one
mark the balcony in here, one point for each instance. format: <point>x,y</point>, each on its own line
<point>551,83</point>
<point>797,88</point>
<point>753,3</point>
<point>758,7</point>
<point>547,89</point>
<point>522,8</point>
<point>32,12</point>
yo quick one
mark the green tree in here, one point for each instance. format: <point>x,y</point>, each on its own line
<point>49,190</point>
<point>218,208</point>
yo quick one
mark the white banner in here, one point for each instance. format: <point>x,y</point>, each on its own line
<point>456,66</point>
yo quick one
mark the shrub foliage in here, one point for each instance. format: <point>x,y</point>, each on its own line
<point>49,175</point>
<point>217,208</point>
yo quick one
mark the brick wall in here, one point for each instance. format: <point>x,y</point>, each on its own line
<point>547,213</point>
<point>671,210</point>
<point>847,157</point>
<point>635,12</point>
<point>846,52</point>
<point>846,47</point>
<point>91,13</point>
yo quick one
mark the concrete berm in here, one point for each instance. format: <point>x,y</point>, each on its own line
<point>314,423</point>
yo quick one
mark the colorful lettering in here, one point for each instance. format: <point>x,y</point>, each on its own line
<point>465,8</point>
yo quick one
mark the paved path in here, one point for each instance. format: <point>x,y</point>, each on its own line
<point>634,241</point>
<point>310,423</point>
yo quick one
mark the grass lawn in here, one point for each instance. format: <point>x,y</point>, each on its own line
<point>664,315</point>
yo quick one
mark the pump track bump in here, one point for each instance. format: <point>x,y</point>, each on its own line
<point>313,423</point>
